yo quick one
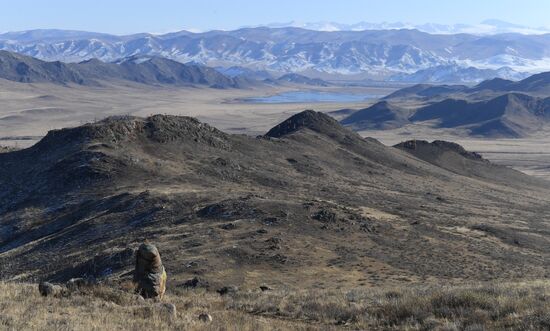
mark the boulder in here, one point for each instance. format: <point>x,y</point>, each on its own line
<point>149,274</point>
<point>196,282</point>
<point>205,317</point>
<point>48,289</point>
<point>325,215</point>
<point>228,226</point>
<point>227,290</point>
<point>75,284</point>
<point>167,309</point>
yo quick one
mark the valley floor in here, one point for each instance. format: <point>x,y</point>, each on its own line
<point>488,306</point>
<point>30,110</point>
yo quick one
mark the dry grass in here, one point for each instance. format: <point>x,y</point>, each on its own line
<point>524,306</point>
<point>518,306</point>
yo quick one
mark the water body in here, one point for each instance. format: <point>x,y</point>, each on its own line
<point>312,97</point>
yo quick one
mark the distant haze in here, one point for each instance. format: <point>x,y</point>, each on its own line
<point>486,27</point>
<point>126,17</point>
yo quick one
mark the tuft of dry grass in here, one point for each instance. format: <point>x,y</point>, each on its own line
<point>512,306</point>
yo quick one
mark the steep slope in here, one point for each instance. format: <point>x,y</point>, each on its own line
<point>145,70</point>
<point>381,115</point>
<point>26,69</point>
<point>309,205</point>
<point>311,120</point>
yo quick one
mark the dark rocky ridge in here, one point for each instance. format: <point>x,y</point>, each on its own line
<point>309,119</point>
<point>510,115</point>
<point>455,158</point>
<point>310,197</point>
<point>439,146</point>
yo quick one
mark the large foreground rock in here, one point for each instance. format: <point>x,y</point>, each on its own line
<point>48,289</point>
<point>150,275</point>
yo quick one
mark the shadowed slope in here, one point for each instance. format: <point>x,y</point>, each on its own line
<point>144,70</point>
<point>381,115</point>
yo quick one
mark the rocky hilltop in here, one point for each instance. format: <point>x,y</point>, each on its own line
<point>309,204</point>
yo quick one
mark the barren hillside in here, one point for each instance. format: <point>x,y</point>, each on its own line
<point>309,205</point>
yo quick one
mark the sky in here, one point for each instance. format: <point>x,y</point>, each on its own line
<point>160,16</point>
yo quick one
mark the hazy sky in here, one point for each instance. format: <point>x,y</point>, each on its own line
<point>124,16</point>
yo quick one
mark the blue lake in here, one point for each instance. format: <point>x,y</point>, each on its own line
<point>312,97</point>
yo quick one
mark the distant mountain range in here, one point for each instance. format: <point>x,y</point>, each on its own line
<point>493,108</point>
<point>487,27</point>
<point>457,74</point>
<point>144,70</point>
<point>373,54</point>
<point>538,84</point>
<point>301,79</point>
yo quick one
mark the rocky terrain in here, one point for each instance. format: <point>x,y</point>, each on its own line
<point>308,205</point>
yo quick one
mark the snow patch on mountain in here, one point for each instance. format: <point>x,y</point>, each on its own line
<point>374,54</point>
<point>487,27</point>
<point>454,73</point>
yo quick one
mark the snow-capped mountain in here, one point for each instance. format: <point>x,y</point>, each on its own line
<point>374,53</point>
<point>487,27</point>
<point>457,74</point>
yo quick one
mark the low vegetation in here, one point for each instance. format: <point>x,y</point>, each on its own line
<point>511,306</point>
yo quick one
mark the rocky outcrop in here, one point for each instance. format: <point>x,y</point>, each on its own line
<point>149,275</point>
<point>437,147</point>
<point>48,289</point>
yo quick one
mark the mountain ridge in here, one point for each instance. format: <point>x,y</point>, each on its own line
<point>512,114</point>
<point>376,53</point>
<point>145,70</point>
